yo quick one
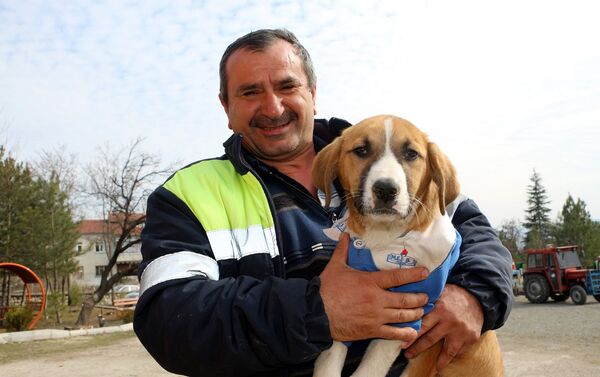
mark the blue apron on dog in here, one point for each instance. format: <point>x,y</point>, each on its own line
<point>436,248</point>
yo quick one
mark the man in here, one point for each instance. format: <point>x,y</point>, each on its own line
<point>238,278</point>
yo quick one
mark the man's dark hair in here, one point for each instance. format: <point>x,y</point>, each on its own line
<point>258,41</point>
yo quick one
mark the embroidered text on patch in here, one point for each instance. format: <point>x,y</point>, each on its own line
<point>401,260</point>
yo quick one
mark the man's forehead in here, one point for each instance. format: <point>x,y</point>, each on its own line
<point>280,56</point>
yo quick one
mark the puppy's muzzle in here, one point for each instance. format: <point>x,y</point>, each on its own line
<point>384,192</point>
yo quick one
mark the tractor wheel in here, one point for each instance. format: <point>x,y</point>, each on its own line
<point>578,295</point>
<point>597,297</point>
<point>536,289</point>
<point>560,297</point>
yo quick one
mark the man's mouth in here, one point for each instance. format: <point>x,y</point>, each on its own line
<point>272,125</point>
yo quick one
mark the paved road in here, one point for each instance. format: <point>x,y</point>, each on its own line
<point>551,340</point>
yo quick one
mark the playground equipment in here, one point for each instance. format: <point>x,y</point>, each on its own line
<point>29,278</point>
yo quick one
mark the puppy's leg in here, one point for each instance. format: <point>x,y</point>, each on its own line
<point>378,358</point>
<point>330,362</point>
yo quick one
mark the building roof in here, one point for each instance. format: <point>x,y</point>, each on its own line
<point>101,226</point>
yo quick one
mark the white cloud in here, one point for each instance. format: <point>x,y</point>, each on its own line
<point>503,87</point>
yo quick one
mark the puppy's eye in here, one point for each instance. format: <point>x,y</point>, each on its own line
<point>410,154</point>
<point>361,151</point>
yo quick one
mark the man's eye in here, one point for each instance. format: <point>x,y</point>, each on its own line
<point>249,93</point>
<point>361,151</point>
<point>411,154</point>
<point>287,88</point>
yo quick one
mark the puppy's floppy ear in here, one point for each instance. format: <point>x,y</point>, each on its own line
<point>325,168</point>
<point>443,175</point>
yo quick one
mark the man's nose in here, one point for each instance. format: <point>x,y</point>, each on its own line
<point>272,105</point>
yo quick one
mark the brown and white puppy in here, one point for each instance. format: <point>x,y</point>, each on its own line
<point>396,183</point>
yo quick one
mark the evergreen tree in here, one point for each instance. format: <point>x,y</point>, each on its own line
<point>36,227</point>
<point>537,222</point>
<point>56,234</point>
<point>575,227</point>
<point>16,199</point>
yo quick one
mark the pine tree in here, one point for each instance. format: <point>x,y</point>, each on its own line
<point>16,199</point>
<point>36,226</point>
<point>537,222</point>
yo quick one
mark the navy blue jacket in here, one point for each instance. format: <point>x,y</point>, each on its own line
<point>264,315</point>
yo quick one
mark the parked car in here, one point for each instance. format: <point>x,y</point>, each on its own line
<point>132,294</point>
<point>126,288</point>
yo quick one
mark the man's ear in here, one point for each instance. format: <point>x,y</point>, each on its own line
<point>313,92</point>
<point>325,168</point>
<point>225,108</point>
<point>443,175</point>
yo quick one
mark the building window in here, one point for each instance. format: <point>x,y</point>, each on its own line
<point>100,270</point>
<point>99,247</point>
<point>79,247</point>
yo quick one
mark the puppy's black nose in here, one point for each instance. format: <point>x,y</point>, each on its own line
<point>385,190</point>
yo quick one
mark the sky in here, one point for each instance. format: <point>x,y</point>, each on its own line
<point>503,87</point>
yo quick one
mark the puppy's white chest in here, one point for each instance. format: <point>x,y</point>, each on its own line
<point>428,248</point>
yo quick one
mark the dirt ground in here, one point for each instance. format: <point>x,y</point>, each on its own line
<point>554,339</point>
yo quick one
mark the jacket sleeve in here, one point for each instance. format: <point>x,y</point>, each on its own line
<point>484,264</point>
<point>198,326</point>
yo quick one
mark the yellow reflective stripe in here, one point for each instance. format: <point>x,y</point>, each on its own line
<point>219,197</point>
<point>232,208</point>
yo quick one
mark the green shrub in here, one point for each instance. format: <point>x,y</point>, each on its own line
<point>75,295</point>
<point>18,318</point>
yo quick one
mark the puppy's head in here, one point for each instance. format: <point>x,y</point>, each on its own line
<point>391,174</point>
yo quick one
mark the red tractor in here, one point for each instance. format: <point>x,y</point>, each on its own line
<point>557,272</point>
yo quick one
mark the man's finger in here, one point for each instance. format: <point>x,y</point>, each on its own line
<point>340,254</point>
<point>449,352</point>
<point>401,315</point>
<point>429,322</point>
<point>399,276</point>
<point>424,342</point>
<point>405,334</point>
<point>397,300</point>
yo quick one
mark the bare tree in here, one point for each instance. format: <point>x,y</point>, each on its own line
<point>120,181</point>
<point>56,163</point>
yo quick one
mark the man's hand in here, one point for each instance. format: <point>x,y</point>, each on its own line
<point>358,304</point>
<point>457,318</point>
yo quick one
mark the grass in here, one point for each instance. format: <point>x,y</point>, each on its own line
<point>70,314</point>
<point>40,348</point>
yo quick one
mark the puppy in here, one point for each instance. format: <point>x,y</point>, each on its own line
<point>397,185</point>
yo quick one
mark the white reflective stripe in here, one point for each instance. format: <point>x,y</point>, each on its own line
<point>238,243</point>
<point>178,265</point>
<point>451,208</point>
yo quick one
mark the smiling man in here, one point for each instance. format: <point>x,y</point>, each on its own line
<point>238,277</point>
<point>270,101</point>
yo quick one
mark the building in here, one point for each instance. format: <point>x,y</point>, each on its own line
<point>96,243</point>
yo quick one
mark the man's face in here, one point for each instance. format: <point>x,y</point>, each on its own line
<point>269,102</point>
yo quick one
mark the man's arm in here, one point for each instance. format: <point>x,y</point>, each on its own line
<point>194,323</point>
<point>484,265</point>
<point>478,296</point>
